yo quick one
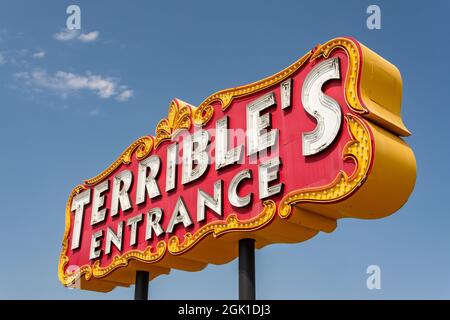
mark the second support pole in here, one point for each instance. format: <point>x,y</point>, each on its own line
<point>141,285</point>
<point>247,269</point>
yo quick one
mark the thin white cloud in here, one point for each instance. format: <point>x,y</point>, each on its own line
<point>68,35</point>
<point>39,54</point>
<point>64,83</point>
<point>89,37</point>
<point>125,95</point>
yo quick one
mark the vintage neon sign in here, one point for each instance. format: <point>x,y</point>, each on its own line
<point>277,160</point>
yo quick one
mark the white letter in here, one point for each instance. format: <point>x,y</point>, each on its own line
<point>285,88</point>
<point>121,185</point>
<point>374,20</point>
<point>233,197</point>
<point>147,182</point>
<point>180,214</point>
<point>268,172</point>
<point>98,201</point>
<point>73,21</point>
<point>115,238</point>
<point>374,280</point>
<point>171,169</point>
<point>256,123</point>
<point>133,222</point>
<point>153,217</point>
<point>78,203</point>
<point>205,200</point>
<point>194,147</point>
<point>95,243</point>
<point>323,108</point>
<point>224,156</point>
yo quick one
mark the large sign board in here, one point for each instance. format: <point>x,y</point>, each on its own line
<point>277,160</point>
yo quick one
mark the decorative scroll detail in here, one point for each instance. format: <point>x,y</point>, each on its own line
<point>351,81</point>
<point>359,149</point>
<point>225,97</point>
<point>203,114</point>
<point>142,146</point>
<point>179,118</point>
<point>122,261</point>
<point>219,228</point>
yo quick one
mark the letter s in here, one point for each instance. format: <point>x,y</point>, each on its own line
<point>323,108</point>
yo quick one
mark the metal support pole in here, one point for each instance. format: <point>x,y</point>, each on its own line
<point>247,269</point>
<point>141,285</point>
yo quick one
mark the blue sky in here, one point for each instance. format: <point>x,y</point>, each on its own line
<point>68,108</point>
